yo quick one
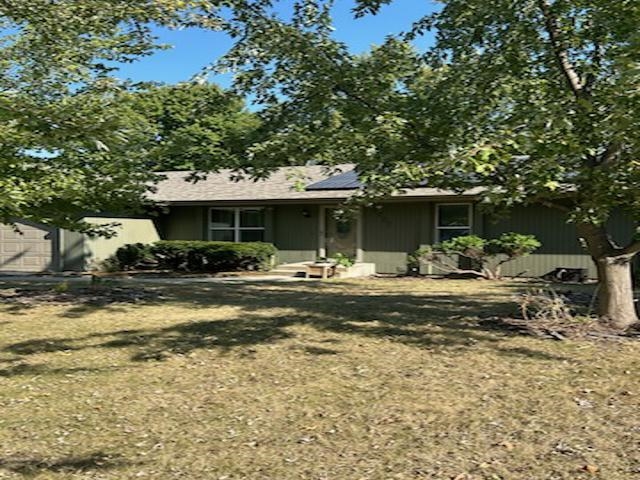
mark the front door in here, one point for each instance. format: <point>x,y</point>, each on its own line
<point>341,234</point>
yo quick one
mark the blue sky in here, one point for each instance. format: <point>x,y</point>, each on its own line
<point>193,49</point>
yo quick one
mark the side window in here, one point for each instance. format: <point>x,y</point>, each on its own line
<point>251,227</point>
<point>452,220</point>
<point>236,224</point>
<point>222,224</point>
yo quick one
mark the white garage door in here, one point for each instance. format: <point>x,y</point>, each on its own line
<point>29,250</point>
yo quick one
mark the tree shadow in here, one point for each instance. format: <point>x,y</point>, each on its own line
<point>35,466</point>
<point>442,321</point>
<point>82,299</point>
<point>21,368</point>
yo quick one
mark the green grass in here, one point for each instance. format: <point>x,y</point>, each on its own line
<point>371,379</point>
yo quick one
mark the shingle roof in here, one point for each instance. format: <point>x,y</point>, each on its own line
<point>279,186</point>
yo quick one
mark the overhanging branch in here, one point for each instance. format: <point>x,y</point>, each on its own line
<point>632,248</point>
<point>559,50</point>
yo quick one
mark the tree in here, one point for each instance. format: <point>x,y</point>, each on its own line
<point>198,126</point>
<point>484,258</point>
<point>69,140</point>
<point>534,101</point>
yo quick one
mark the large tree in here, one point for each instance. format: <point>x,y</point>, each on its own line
<point>70,142</point>
<point>536,101</point>
<point>197,126</point>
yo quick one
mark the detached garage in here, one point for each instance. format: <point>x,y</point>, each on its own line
<point>35,248</point>
<point>28,247</point>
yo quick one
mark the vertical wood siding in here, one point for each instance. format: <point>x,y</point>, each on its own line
<point>394,230</point>
<point>560,243</point>
<point>295,235</point>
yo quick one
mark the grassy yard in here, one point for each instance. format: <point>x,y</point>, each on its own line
<point>354,380</point>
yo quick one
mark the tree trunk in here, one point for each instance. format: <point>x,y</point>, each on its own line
<point>615,292</point>
<point>615,286</point>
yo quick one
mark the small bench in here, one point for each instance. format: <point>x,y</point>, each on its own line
<point>323,270</point>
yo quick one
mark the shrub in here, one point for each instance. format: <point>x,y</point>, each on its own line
<point>343,260</point>
<point>131,256</point>
<point>487,256</point>
<point>202,256</point>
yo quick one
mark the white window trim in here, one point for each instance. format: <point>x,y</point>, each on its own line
<point>438,228</point>
<point>237,229</point>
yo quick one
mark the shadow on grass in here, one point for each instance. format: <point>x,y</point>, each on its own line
<point>443,320</point>
<point>20,368</point>
<point>83,299</point>
<point>35,466</point>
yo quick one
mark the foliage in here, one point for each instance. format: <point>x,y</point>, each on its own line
<point>61,287</point>
<point>70,139</point>
<point>132,256</point>
<point>198,256</point>
<point>486,256</point>
<point>532,102</point>
<point>490,105</point>
<point>198,126</point>
<point>343,260</point>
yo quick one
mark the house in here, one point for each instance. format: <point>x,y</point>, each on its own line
<point>302,225</point>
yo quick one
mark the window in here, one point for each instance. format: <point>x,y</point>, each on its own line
<point>452,220</point>
<point>236,224</point>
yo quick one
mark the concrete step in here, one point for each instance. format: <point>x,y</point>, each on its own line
<point>287,272</point>
<point>291,266</point>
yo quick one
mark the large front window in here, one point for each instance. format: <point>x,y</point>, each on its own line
<point>452,220</point>
<point>236,224</point>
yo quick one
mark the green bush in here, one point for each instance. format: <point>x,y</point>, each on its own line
<point>486,256</point>
<point>199,256</point>
<point>343,260</point>
<point>132,256</point>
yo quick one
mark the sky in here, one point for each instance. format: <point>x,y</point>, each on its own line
<point>194,49</point>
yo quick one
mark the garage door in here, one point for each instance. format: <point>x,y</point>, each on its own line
<point>29,250</point>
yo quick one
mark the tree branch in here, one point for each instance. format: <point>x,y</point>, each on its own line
<point>556,206</point>
<point>632,248</point>
<point>559,50</point>
<point>610,154</point>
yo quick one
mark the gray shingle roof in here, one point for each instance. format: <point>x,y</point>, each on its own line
<point>279,186</point>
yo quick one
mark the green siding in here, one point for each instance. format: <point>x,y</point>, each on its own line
<point>185,223</point>
<point>72,250</point>
<point>393,230</point>
<point>128,230</point>
<point>560,244</point>
<point>296,235</point>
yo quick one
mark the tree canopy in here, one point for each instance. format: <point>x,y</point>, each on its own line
<point>533,100</point>
<point>197,126</point>
<point>68,142</point>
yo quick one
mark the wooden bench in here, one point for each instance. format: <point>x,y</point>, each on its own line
<point>323,270</point>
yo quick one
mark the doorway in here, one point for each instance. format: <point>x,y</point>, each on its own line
<point>341,234</point>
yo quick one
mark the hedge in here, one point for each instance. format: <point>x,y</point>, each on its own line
<point>196,256</point>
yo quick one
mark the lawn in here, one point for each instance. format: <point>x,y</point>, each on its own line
<point>366,379</point>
